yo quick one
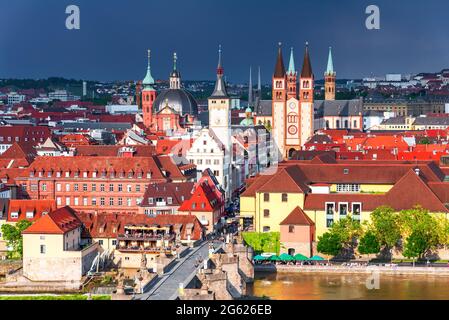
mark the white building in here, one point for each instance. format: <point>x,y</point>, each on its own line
<point>14,98</point>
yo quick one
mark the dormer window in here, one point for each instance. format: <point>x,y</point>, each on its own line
<point>31,174</point>
<point>150,200</point>
<point>58,174</point>
<point>94,174</point>
<point>148,175</point>
<point>85,174</point>
<point>67,174</point>
<point>30,214</point>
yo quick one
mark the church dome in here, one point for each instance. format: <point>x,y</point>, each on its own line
<point>178,99</point>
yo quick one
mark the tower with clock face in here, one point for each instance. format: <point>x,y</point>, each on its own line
<point>220,109</point>
<point>293,127</point>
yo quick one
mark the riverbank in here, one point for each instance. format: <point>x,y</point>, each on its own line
<point>395,270</point>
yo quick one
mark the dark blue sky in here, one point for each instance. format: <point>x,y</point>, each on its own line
<point>115,34</point>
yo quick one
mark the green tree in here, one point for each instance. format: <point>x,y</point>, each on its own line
<point>369,244</point>
<point>347,230</point>
<point>329,243</point>
<point>419,220</point>
<point>416,245</point>
<point>13,236</point>
<point>385,226</point>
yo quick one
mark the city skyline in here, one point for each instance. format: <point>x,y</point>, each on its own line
<point>112,42</point>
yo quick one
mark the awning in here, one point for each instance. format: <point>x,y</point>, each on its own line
<point>300,257</point>
<point>286,257</point>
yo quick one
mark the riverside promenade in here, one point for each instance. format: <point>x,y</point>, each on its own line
<point>396,270</point>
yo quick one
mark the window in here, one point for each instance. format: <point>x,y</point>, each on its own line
<point>266,197</point>
<point>343,209</point>
<point>266,213</point>
<point>102,187</point>
<point>42,248</point>
<point>169,200</point>
<point>67,187</point>
<point>76,187</point>
<point>284,197</point>
<point>330,208</point>
<point>329,222</point>
<point>85,187</point>
<point>111,201</point>
<point>114,242</point>
<point>138,188</point>
<point>67,201</point>
<point>94,187</point>
<point>30,214</point>
<point>111,188</point>
<point>120,187</point>
<point>100,242</point>
<point>291,229</point>
<point>216,162</point>
<point>59,201</point>
<point>199,161</point>
<point>102,201</point>
<point>216,173</point>
<point>120,201</point>
<point>266,229</point>
<point>129,188</point>
<point>85,202</point>
<point>44,187</point>
<point>129,202</point>
<point>348,188</point>
<point>150,200</point>
<point>356,208</point>
<point>76,201</point>
<point>94,201</point>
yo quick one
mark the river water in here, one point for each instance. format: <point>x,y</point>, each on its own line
<point>318,286</point>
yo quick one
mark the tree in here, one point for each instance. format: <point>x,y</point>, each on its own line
<point>347,230</point>
<point>329,243</point>
<point>13,236</point>
<point>416,245</point>
<point>369,244</point>
<point>419,220</point>
<point>385,226</point>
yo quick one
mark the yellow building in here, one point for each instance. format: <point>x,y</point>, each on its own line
<point>327,192</point>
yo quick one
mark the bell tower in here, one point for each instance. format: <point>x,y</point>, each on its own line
<point>329,78</point>
<point>279,97</point>
<point>306,99</point>
<point>292,78</point>
<point>148,96</point>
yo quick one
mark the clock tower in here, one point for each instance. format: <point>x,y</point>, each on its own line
<point>219,108</point>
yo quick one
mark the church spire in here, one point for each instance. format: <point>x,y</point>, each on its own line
<point>330,63</point>
<point>291,65</point>
<point>306,66</point>
<point>220,86</point>
<point>279,71</point>
<point>259,82</point>
<point>250,88</point>
<point>175,75</point>
<point>148,81</point>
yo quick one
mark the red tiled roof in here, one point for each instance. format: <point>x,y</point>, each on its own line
<point>203,199</point>
<point>290,179</point>
<point>106,225</point>
<point>38,207</point>
<point>112,150</point>
<point>60,221</point>
<point>297,217</point>
<point>176,191</point>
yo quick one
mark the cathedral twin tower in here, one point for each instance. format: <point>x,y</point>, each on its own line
<point>293,107</point>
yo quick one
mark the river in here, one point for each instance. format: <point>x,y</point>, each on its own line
<point>318,286</point>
